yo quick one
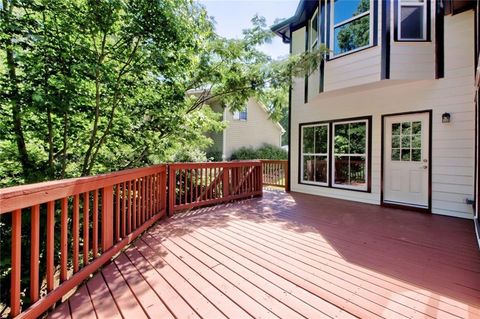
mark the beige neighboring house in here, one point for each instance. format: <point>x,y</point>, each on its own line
<point>251,127</point>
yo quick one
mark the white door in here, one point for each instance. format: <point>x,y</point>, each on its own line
<point>406,159</point>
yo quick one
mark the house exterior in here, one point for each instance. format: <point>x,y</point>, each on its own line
<point>390,115</point>
<point>251,127</point>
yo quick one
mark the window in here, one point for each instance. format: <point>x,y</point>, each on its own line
<point>314,30</point>
<point>412,20</point>
<point>314,160</point>
<point>352,25</point>
<point>350,154</point>
<point>407,141</point>
<point>336,153</point>
<point>240,115</point>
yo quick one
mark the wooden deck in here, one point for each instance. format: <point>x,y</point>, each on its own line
<point>290,256</point>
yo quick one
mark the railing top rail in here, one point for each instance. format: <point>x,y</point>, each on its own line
<point>23,196</point>
<point>214,164</point>
<point>273,161</point>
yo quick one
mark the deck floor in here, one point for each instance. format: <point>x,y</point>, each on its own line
<point>290,256</point>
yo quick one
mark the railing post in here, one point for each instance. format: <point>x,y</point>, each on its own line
<point>171,190</point>
<point>287,175</point>
<point>226,182</point>
<point>260,178</point>
<point>107,217</point>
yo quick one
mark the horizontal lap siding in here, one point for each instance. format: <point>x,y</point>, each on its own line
<point>453,144</point>
<point>258,129</point>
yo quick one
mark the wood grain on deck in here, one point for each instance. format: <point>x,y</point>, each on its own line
<point>290,256</point>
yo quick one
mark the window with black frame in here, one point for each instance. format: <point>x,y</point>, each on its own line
<point>412,20</point>
<point>314,155</point>
<point>350,154</point>
<point>352,25</point>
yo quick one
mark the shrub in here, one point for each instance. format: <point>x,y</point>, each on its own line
<point>266,151</point>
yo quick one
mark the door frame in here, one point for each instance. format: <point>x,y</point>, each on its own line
<point>382,165</point>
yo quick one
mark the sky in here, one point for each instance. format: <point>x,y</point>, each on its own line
<point>232,16</point>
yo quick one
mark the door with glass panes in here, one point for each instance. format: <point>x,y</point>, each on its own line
<point>406,160</point>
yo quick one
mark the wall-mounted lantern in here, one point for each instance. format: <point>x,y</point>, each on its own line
<point>446,118</point>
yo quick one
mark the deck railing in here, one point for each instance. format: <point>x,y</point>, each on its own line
<point>201,184</point>
<point>275,173</point>
<point>94,217</point>
<point>78,225</point>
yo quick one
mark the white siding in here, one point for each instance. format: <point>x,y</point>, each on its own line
<point>452,144</point>
<point>255,131</point>
<point>413,60</point>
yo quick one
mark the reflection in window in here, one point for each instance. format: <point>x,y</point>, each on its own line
<point>315,154</point>
<point>351,29</point>
<point>406,141</point>
<point>314,30</point>
<point>412,16</point>
<point>350,154</point>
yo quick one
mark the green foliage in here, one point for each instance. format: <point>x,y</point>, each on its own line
<point>92,86</point>
<point>266,151</point>
<point>214,155</point>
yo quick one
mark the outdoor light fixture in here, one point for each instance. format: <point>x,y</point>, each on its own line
<point>446,118</point>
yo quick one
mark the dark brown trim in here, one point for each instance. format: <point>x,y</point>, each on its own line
<point>439,40</point>
<point>406,207</point>
<point>428,37</point>
<point>385,51</point>
<point>330,152</point>
<point>305,92</point>
<point>289,136</point>
<point>382,160</point>
<point>321,21</point>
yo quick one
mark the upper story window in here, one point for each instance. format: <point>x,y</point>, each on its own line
<point>412,20</point>
<point>240,115</point>
<point>352,25</point>
<point>314,30</point>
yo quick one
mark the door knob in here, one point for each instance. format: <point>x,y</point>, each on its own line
<point>424,166</point>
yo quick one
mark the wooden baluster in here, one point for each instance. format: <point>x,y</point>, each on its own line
<point>210,184</point>
<point>185,186</point>
<point>34,253</point>
<point>124,209</point>
<point>86,227</point>
<point>134,209</point>
<point>16,262</point>
<point>130,208</point>
<point>95,224</point>
<point>64,240</point>
<point>191,185</point>
<point>107,218</point>
<point>50,244</point>
<point>117,213</point>
<point>76,231</point>
<point>171,189</point>
<point>201,184</point>
<point>145,185</point>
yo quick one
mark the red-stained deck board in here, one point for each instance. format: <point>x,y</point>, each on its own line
<point>208,290</point>
<point>102,300</point>
<point>81,304</point>
<point>177,306</point>
<point>291,255</point>
<point>150,302</point>
<point>124,297</point>
<point>197,301</point>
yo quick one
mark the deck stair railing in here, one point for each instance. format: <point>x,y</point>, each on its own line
<point>77,225</point>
